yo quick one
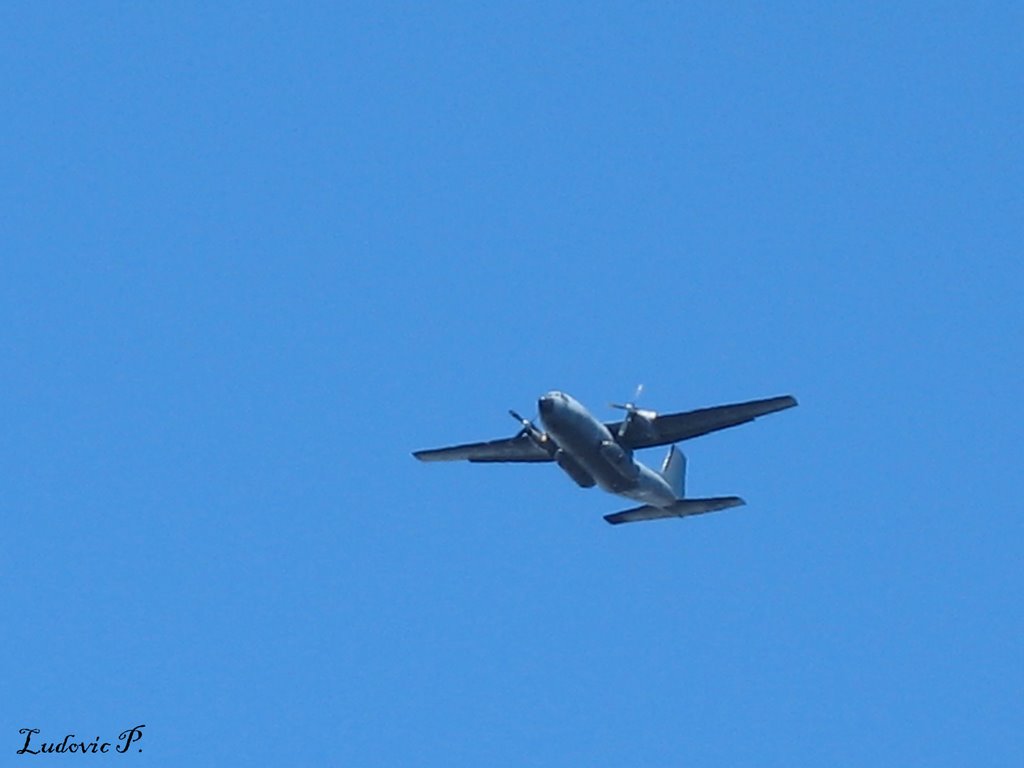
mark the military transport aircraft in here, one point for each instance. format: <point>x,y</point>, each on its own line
<point>594,453</point>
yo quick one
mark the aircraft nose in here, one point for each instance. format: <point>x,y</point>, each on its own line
<point>545,404</point>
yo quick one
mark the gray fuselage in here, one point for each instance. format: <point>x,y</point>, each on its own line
<point>590,445</point>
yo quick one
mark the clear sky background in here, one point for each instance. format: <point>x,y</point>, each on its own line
<point>253,254</point>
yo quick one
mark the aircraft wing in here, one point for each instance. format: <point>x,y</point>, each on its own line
<point>673,427</point>
<point>518,448</point>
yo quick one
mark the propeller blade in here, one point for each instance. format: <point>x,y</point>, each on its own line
<point>535,434</point>
<point>631,411</point>
<point>631,405</point>
<point>625,423</point>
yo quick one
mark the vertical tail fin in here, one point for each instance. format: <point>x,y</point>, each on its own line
<point>673,469</point>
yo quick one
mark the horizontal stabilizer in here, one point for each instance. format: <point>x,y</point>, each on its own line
<point>679,509</point>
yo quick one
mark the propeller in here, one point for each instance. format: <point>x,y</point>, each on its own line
<point>631,411</point>
<point>535,434</point>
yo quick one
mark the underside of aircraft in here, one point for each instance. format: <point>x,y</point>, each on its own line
<point>595,453</point>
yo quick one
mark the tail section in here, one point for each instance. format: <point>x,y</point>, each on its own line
<point>682,508</point>
<point>673,469</point>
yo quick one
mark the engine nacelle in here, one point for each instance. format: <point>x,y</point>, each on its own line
<point>619,460</point>
<point>573,469</point>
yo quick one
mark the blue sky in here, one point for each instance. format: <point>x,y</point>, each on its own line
<point>255,254</point>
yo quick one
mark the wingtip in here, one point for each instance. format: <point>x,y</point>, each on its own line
<point>616,518</point>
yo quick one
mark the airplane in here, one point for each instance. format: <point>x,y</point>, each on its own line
<point>595,453</point>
